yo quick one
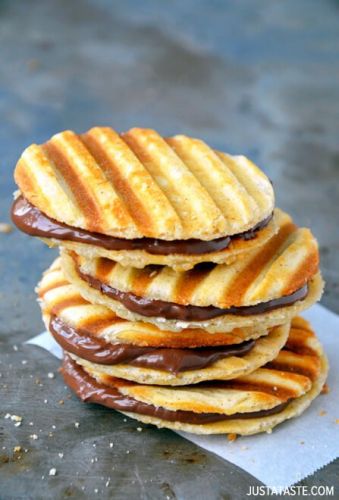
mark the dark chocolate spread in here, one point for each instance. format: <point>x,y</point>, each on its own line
<point>32,221</point>
<point>97,350</point>
<point>171,310</point>
<point>90,390</point>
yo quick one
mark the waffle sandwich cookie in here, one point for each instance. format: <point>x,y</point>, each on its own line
<point>177,291</point>
<point>143,353</point>
<point>249,404</point>
<point>267,286</point>
<point>138,198</point>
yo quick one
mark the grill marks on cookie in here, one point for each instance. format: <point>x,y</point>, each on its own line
<point>58,296</point>
<point>280,267</point>
<point>264,388</point>
<point>139,184</point>
<point>232,197</point>
<point>292,372</point>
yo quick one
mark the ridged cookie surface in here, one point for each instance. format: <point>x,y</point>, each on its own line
<point>278,268</point>
<point>265,349</point>
<point>245,426</point>
<point>138,184</point>
<point>58,297</point>
<point>296,376</point>
<point>179,261</point>
<point>223,323</point>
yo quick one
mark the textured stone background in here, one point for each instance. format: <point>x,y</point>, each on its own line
<point>257,77</point>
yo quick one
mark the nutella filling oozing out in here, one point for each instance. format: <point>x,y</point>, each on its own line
<point>171,310</point>
<point>97,350</point>
<point>90,390</point>
<point>32,221</point>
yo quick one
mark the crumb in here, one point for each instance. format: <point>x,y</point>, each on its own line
<point>60,455</point>
<point>269,431</point>
<point>30,423</point>
<point>96,490</point>
<point>5,228</point>
<point>322,413</point>
<point>111,445</point>
<point>53,427</point>
<point>16,418</point>
<point>50,375</point>
<point>34,436</point>
<point>16,449</point>
<point>127,452</point>
<point>15,348</point>
<point>61,402</point>
<point>107,483</point>
<point>244,447</point>
<point>45,401</point>
<point>24,362</point>
<point>50,434</point>
<point>76,425</point>
<point>139,429</point>
<point>302,442</point>
<point>52,472</point>
<point>7,415</point>
<point>337,421</point>
<point>231,437</point>
<point>17,424</point>
<point>325,389</point>
<point>92,460</point>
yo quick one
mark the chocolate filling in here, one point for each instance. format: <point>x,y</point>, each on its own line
<point>90,390</point>
<point>32,221</point>
<point>171,310</point>
<point>97,350</point>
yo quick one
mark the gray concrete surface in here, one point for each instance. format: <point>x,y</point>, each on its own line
<point>257,77</point>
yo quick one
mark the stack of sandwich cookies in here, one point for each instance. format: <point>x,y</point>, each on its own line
<point>177,292</point>
<point>141,352</point>
<point>245,387</point>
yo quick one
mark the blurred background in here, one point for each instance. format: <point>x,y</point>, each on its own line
<point>257,77</point>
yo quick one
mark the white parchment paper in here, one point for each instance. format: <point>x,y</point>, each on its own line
<point>296,448</point>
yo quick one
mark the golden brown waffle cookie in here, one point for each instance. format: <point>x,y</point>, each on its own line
<point>283,272</point>
<point>181,262</point>
<point>140,185</point>
<point>60,300</point>
<point>295,377</point>
<point>280,267</point>
<point>58,297</point>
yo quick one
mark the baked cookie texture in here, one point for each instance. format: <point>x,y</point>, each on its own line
<point>59,298</point>
<point>178,261</point>
<point>223,323</point>
<point>278,268</point>
<point>139,184</point>
<point>178,287</point>
<point>296,376</point>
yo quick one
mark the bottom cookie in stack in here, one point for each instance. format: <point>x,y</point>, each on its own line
<point>252,403</point>
<point>196,381</point>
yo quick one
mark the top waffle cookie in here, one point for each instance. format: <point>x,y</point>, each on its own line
<point>139,184</point>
